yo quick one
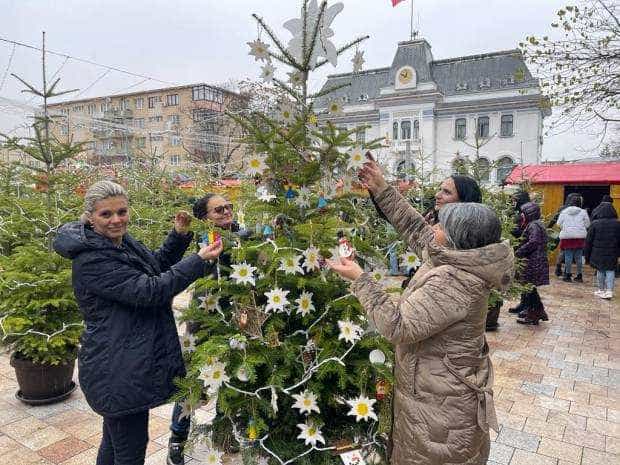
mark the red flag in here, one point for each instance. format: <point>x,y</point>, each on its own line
<point>396,2</point>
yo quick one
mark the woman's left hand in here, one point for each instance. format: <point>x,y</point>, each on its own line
<point>182,220</point>
<point>346,268</point>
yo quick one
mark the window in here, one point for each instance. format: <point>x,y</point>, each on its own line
<point>483,127</point>
<point>504,167</point>
<point>360,136</point>
<point>156,119</point>
<point>139,103</point>
<point>141,142</point>
<point>124,105</point>
<point>172,100</point>
<point>483,169</point>
<point>405,130</point>
<point>174,119</point>
<point>203,114</point>
<point>207,93</point>
<point>175,140</point>
<point>175,160</point>
<point>416,130</point>
<point>395,130</point>
<point>64,129</point>
<point>92,108</point>
<point>78,108</point>
<point>507,126</point>
<point>139,123</point>
<point>153,100</point>
<point>104,107</point>
<point>460,128</point>
<point>156,137</point>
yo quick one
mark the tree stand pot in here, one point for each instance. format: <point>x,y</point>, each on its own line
<point>41,384</point>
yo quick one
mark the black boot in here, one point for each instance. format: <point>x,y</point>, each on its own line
<point>532,316</point>
<point>579,278</point>
<point>517,309</point>
<point>567,278</point>
<point>492,318</point>
<point>558,270</point>
<point>175,450</point>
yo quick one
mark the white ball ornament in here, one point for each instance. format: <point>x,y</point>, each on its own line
<point>376,356</point>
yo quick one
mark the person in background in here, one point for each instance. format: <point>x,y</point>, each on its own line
<point>574,222</point>
<point>443,397</point>
<point>535,272</point>
<point>606,199</point>
<point>559,261</point>
<point>520,198</point>
<point>130,352</point>
<point>603,247</point>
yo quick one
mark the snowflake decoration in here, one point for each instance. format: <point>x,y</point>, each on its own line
<point>349,331</point>
<point>310,433</point>
<point>188,343</point>
<point>214,375</point>
<point>303,197</point>
<point>356,158</point>
<point>243,273</point>
<point>276,300</point>
<point>378,274</point>
<point>335,108</point>
<point>259,50</point>
<point>361,408</point>
<point>267,73</point>
<point>311,259</point>
<point>290,265</point>
<point>358,61</point>
<point>214,457</point>
<point>411,261</point>
<point>296,78</point>
<point>306,402</point>
<point>256,164</point>
<point>304,303</point>
<point>210,302</point>
<point>286,112</point>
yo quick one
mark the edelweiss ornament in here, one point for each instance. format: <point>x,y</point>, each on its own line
<point>266,73</point>
<point>335,108</point>
<point>304,303</point>
<point>256,165</point>
<point>188,343</point>
<point>410,260</point>
<point>276,300</point>
<point>378,274</point>
<point>310,433</point>
<point>286,112</point>
<point>214,375</point>
<point>243,273</point>
<point>349,331</point>
<point>296,78</point>
<point>303,197</point>
<point>356,158</point>
<point>210,302</point>
<point>361,408</point>
<point>290,265</point>
<point>214,457</point>
<point>311,259</point>
<point>259,50</point>
<point>358,61</point>
<point>306,402</point>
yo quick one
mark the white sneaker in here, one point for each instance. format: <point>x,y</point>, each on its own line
<point>599,293</point>
<point>608,295</point>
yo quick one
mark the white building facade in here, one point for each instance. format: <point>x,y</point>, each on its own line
<point>485,107</point>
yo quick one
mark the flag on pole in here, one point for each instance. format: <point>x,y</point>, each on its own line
<point>396,2</point>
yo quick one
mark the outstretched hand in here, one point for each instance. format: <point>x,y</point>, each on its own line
<point>346,268</point>
<point>372,177</point>
<point>182,220</point>
<point>211,251</point>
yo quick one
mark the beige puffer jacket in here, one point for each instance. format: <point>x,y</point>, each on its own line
<point>443,398</point>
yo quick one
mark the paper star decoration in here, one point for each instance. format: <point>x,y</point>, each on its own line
<point>286,112</point>
<point>358,61</point>
<point>259,50</point>
<point>290,265</point>
<point>243,273</point>
<point>311,259</point>
<point>304,303</point>
<point>361,408</point>
<point>335,108</point>
<point>411,260</point>
<point>310,433</point>
<point>306,402</point>
<point>276,300</point>
<point>266,72</point>
<point>349,331</point>
<point>188,343</point>
<point>356,158</point>
<point>214,375</point>
<point>214,457</point>
<point>256,164</point>
<point>303,197</point>
<point>210,302</point>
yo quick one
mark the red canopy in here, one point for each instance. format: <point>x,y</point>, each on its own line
<point>567,173</point>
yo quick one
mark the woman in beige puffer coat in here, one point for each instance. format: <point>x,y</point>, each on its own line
<point>443,399</point>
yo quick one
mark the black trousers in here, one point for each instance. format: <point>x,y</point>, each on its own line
<point>531,300</point>
<point>124,440</point>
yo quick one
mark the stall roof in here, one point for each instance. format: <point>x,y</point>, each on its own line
<point>567,173</point>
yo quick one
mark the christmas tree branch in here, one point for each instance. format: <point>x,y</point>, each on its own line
<point>329,90</point>
<point>315,32</point>
<point>343,49</point>
<point>289,90</point>
<point>291,60</point>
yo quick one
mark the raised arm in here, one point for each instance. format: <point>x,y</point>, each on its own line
<point>176,243</point>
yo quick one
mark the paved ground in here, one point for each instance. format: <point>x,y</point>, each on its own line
<point>557,391</point>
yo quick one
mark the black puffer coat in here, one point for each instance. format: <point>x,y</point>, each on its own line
<point>534,247</point>
<point>130,351</point>
<point>603,240</point>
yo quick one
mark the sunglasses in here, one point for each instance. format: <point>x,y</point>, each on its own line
<point>222,208</point>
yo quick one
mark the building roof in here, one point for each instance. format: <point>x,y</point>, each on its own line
<point>501,70</point>
<point>567,173</point>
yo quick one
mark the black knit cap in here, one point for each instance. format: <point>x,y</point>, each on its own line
<point>467,188</point>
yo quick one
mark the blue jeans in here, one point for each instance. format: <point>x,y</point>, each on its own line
<point>179,426</point>
<point>393,261</point>
<point>569,255</point>
<point>606,279</point>
<point>124,440</point>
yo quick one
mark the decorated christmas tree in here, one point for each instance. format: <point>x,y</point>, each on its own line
<point>298,375</point>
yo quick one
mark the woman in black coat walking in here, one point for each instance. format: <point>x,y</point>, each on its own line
<point>603,247</point>
<point>130,350</point>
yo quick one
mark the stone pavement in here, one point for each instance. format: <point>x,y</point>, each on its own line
<point>557,391</point>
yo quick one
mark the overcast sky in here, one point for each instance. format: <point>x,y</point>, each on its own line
<point>187,41</point>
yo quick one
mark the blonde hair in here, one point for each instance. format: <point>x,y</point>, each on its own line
<point>99,191</point>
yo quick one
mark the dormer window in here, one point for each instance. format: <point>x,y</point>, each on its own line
<point>363,98</point>
<point>345,99</point>
<point>461,86</point>
<point>484,83</point>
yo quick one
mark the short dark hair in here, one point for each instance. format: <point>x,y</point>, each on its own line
<point>467,188</point>
<point>200,207</point>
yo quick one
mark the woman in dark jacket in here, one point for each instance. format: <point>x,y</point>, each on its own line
<point>603,247</point>
<point>535,271</point>
<point>130,350</point>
